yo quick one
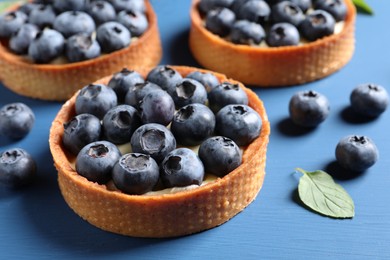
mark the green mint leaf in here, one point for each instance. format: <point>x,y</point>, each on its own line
<point>362,6</point>
<point>318,191</point>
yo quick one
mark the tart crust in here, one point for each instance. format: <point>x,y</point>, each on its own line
<point>60,81</point>
<point>165,215</point>
<point>272,67</point>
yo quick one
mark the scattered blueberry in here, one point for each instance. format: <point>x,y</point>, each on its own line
<point>317,24</point>
<point>257,11</point>
<point>16,120</point>
<point>189,91</point>
<point>73,22</point>
<point>80,47</point>
<point>42,16</point>
<point>283,34</point>
<point>47,45</point>
<point>246,32</point>
<point>226,93</point>
<point>113,36</point>
<point>123,81</point>
<point>220,21</point>
<point>208,80</point>
<point>157,107</point>
<point>135,22</point>
<point>164,76</point>
<point>369,99</point>
<point>101,11</point>
<point>337,8</point>
<point>20,41</point>
<point>287,12</point>
<point>10,23</point>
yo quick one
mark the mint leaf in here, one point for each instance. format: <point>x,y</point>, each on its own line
<point>362,6</point>
<point>318,191</point>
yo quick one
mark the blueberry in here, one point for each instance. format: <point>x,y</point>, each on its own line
<point>80,47</point>
<point>10,23</point>
<point>236,5</point>
<point>157,107</point>
<point>42,16</point>
<point>337,8</point>
<point>369,100</point>
<point>16,120</point>
<point>27,7</point>
<point>164,76</point>
<point>283,34</point>
<point>257,11</point>
<point>240,123</point>
<point>47,45</point>
<point>287,12</point>
<point>17,168</point>
<point>124,80</point>
<point>207,5</point>
<point>246,32</point>
<point>81,130</point>
<point>113,36</point>
<point>119,123</point>
<point>208,80</point>
<point>129,5</point>
<point>153,139</point>
<point>96,161</point>
<point>135,173</point>
<point>69,5</point>
<point>20,41</point>
<point>308,108</point>
<point>137,93</point>
<point>192,124</point>
<point>73,22</point>
<point>220,155</point>
<point>225,94</point>
<point>135,22</point>
<point>101,11</point>
<point>316,25</point>
<point>95,99</point>
<point>356,153</point>
<point>180,168</point>
<point>303,4</point>
<point>189,91</point>
<point>220,21</point>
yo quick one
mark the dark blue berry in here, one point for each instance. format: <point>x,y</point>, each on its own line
<point>96,161</point>
<point>308,108</point>
<point>181,167</point>
<point>220,155</point>
<point>80,47</point>
<point>10,23</point>
<point>101,11</point>
<point>369,99</point>
<point>240,123</point>
<point>129,5</point>
<point>17,168</point>
<point>283,34</point>
<point>236,5</point>
<point>135,22</point>
<point>316,25</point>
<point>246,32</point>
<point>207,5</point>
<point>20,41</point>
<point>47,46</point>
<point>257,11</point>
<point>80,131</point>
<point>27,7</point>
<point>135,173</point>
<point>69,5</point>
<point>356,153</point>
<point>137,92</point>
<point>113,36</point>
<point>225,94</point>
<point>121,82</point>
<point>16,120</point>
<point>164,76</point>
<point>42,16</point>
<point>192,124</point>
<point>337,8</point>
<point>189,91</point>
<point>287,12</point>
<point>220,21</point>
<point>157,107</point>
<point>73,22</point>
<point>208,80</point>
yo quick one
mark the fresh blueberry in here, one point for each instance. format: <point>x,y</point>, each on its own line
<point>283,34</point>
<point>303,4</point>
<point>42,16</point>
<point>138,91</point>
<point>189,91</point>
<point>81,130</point>
<point>369,100</point>
<point>124,80</point>
<point>164,76</point>
<point>46,46</point>
<point>101,11</point>
<point>180,168</point>
<point>317,24</point>
<point>308,108</point>
<point>20,41</point>
<point>337,8</point>
<point>16,120</point>
<point>220,155</point>
<point>206,5</point>
<point>129,5</point>
<point>96,161</point>
<point>17,168</point>
<point>236,5</point>
<point>246,32</point>
<point>192,124</point>
<point>113,36</point>
<point>10,23</point>
<point>69,5</point>
<point>27,7</point>
<point>119,123</point>
<point>73,22</point>
<point>220,21</point>
<point>356,153</point>
<point>95,99</point>
<point>240,123</point>
<point>208,80</point>
<point>153,139</point>
<point>157,107</point>
<point>135,173</point>
<point>257,11</point>
<point>135,22</point>
<point>226,93</point>
<point>80,47</point>
<point>287,12</point>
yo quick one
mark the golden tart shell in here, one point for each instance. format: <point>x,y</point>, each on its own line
<point>60,81</point>
<point>165,215</point>
<point>271,67</point>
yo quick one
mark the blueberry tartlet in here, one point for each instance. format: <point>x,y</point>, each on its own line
<point>48,51</point>
<point>162,179</point>
<point>273,43</point>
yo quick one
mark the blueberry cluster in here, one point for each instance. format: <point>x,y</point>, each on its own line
<point>275,22</point>
<point>160,117</point>
<point>77,29</point>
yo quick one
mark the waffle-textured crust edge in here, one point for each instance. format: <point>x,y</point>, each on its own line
<point>59,82</point>
<point>165,215</point>
<point>273,67</point>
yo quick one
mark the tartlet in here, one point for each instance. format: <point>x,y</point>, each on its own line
<point>58,82</point>
<point>162,215</point>
<point>273,67</point>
